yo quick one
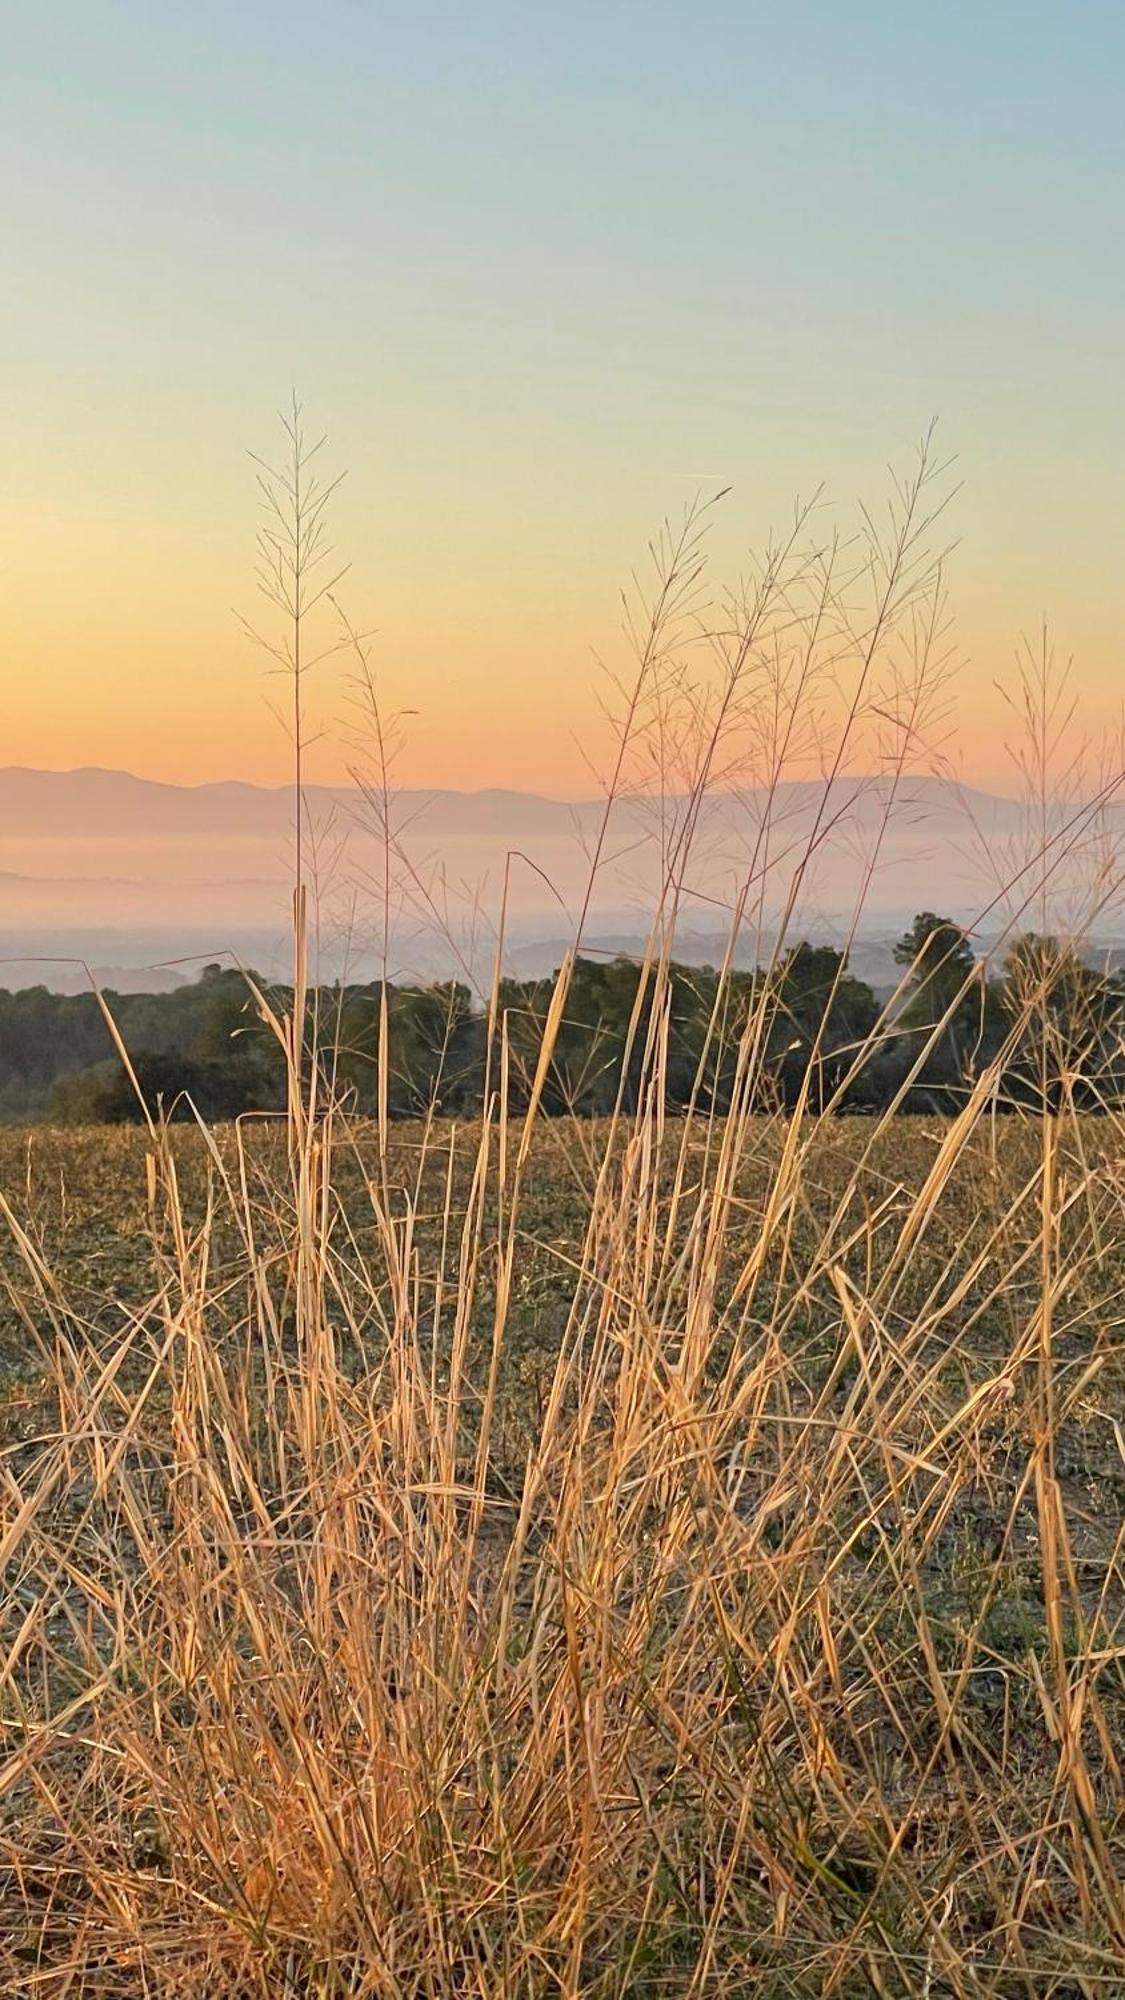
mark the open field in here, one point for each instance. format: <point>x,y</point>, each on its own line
<point>562,1005</point>
<point>647,1566</point>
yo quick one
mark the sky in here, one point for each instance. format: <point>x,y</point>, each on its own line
<point>538,273</point>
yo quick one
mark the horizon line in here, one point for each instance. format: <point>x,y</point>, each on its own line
<point>953,783</point>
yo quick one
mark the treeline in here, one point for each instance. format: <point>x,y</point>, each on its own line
<point>1051,1026</point>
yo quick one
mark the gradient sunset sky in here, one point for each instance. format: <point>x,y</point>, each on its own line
<point>539,272</point>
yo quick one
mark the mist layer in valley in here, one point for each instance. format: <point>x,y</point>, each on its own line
<point>141,883</point>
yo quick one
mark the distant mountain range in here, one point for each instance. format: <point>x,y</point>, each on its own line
<point>117,805</point>
<point>129,873</point>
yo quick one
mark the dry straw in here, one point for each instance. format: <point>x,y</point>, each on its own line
<point>730,1615</point>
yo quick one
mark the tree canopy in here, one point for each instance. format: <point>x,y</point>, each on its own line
<point>808,1030</point>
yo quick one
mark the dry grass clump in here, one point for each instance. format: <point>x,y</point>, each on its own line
<point>780,1653</point>
<point>789,1657</point>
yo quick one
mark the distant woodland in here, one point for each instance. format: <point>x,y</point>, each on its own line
<point>1050,1023</point>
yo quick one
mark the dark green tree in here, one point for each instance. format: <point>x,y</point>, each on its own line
<point>821,1017</point>
<point>943,1011</point>
<point>1068,1022</point>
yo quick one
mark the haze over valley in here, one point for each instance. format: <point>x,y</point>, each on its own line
<point>143,881</point>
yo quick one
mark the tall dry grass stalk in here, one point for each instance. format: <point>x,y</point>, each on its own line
<point>531,1559</point>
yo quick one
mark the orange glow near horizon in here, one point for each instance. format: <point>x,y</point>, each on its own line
<point>138,664</point>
